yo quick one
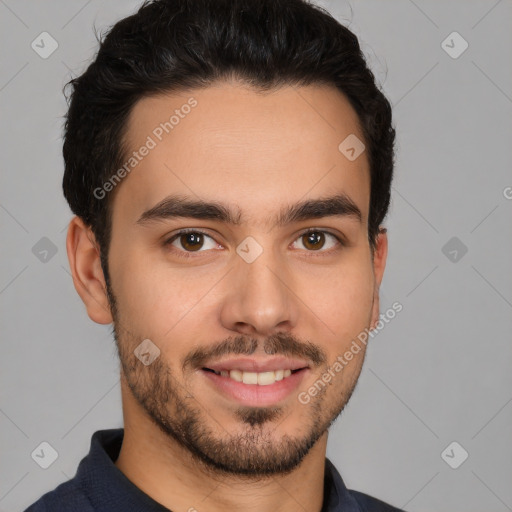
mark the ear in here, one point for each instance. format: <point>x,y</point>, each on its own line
<point>85,264</point>
<point>379,264</point>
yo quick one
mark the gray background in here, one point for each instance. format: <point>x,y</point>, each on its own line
<point>438,373</point>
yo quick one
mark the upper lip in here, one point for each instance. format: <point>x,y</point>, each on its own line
<point>245,364</point>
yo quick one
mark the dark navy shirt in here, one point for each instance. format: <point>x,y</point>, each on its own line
<point>99,486</point>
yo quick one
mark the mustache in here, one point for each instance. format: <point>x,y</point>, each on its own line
<point>279,343</point>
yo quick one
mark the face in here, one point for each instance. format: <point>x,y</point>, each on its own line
<point>240,250</point>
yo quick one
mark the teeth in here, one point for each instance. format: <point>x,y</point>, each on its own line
<point>249,377</point>
<point>262,378</point>
<point>236,375</point>
<point>266,378</point>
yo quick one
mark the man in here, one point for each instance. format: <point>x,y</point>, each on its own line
<point>229,164</point>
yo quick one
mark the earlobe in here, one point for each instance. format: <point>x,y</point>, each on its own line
<point>379,264</point>
<point>85,265</point>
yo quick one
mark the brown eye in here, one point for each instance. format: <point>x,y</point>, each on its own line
<point>314,240</point>
<point>317,240</point>
<point>191,241</point>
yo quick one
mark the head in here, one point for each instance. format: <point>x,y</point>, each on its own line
<point>230,120</point>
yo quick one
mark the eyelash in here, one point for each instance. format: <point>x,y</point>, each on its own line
<point>190,254</point>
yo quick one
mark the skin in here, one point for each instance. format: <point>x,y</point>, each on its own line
<point>257,153</point>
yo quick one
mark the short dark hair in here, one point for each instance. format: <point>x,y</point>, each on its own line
<point>174,45</point>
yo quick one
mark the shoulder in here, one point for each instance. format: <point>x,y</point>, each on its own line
<point>66,497</point>
<point>370,504</point>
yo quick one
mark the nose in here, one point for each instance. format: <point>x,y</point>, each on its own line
<point>260,300</point>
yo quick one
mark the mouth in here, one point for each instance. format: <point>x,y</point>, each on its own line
<point>255,378</point>
<point>253,383</point>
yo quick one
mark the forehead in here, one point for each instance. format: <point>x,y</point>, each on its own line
<point>232,144</point>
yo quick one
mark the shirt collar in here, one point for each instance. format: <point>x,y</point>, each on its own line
<point>108,489</point>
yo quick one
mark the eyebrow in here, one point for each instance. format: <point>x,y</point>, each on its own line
<point>177,206</point>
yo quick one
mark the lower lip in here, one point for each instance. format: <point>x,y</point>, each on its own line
<point>254,394</point>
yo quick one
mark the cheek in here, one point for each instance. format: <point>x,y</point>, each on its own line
<point>156,300</point>
<point>341,297</point>
<point>135,284</point>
